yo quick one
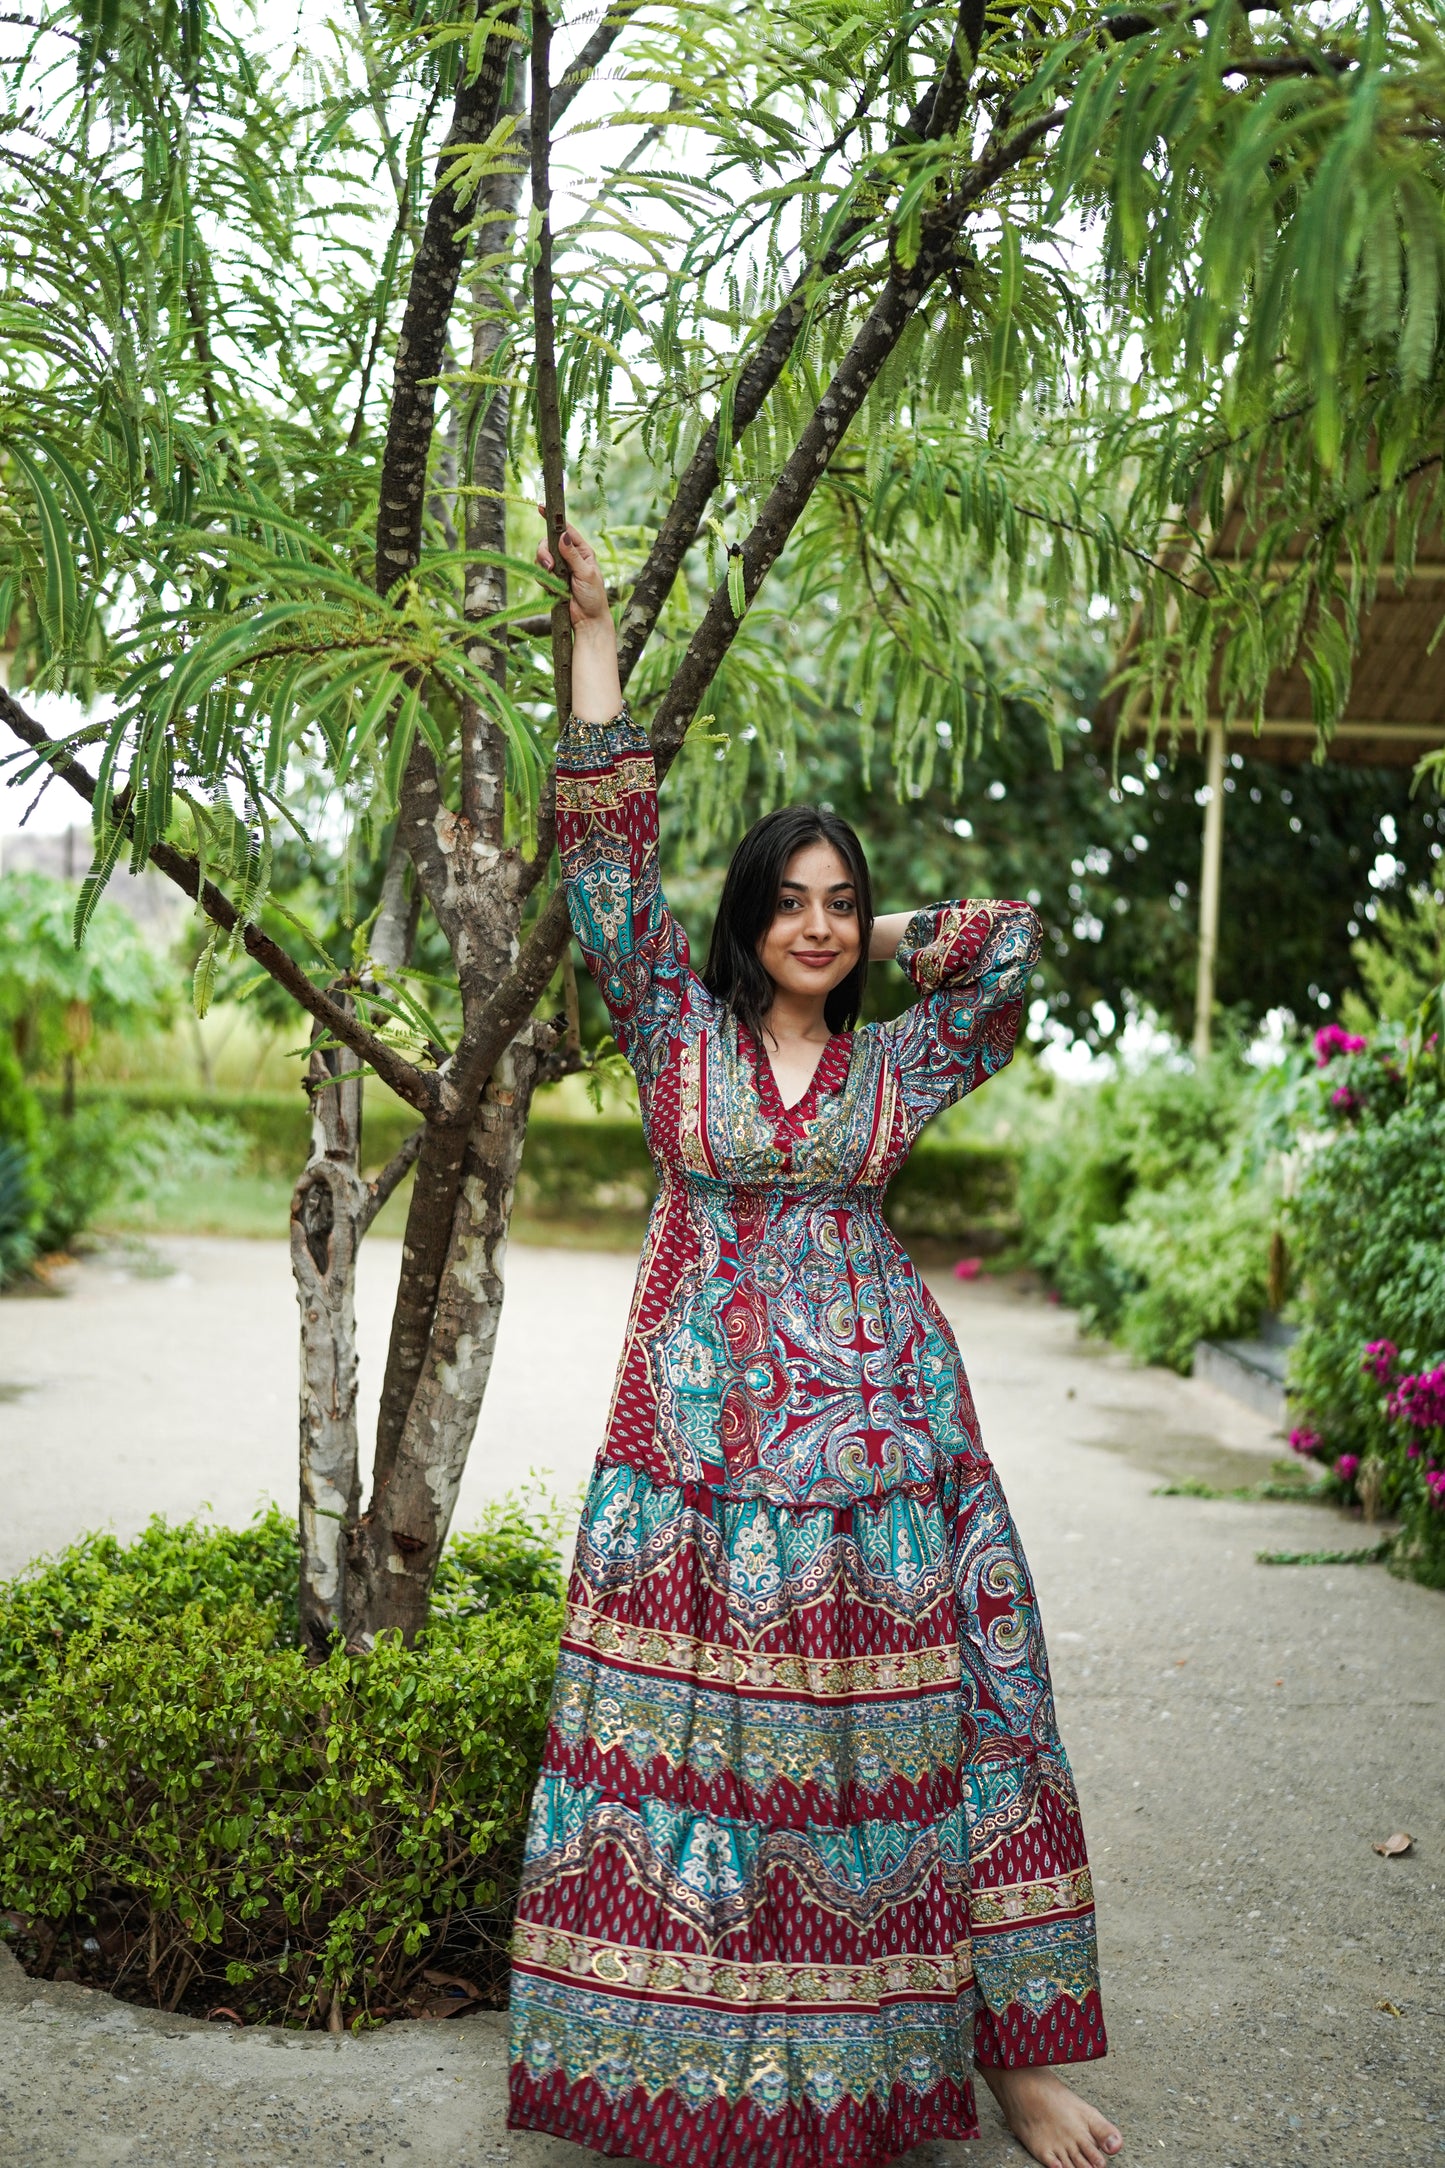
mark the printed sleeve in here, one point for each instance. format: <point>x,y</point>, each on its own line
<point>607,839</point>
<point>971,963</point>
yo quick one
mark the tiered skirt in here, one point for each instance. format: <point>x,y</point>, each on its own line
<point>805,1847</point>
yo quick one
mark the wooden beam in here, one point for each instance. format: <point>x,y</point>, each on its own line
<point>1209,879</point>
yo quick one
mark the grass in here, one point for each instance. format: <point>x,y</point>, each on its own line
<point>1375,1555</point>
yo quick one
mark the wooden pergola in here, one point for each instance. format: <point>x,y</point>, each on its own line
<point>1395,714</point>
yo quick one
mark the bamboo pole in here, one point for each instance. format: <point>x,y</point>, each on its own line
<point>1209,882</point>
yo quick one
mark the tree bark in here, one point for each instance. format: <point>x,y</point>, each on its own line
<point>421,347</point>
<point>392,1552</point>
<point>327,1216</point>
<point>491,912</point>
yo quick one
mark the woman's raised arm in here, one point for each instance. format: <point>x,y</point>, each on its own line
<point>607,835</point>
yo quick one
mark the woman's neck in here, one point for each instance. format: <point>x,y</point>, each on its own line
<point>795,1016</point>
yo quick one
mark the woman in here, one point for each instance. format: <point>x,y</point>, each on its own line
<point>805,1845</point>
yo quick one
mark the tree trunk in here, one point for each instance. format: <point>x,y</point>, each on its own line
<point>393,1551</point>
<point>328,1218</point>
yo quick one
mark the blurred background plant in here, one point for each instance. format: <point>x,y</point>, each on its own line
<point>59,1166</point>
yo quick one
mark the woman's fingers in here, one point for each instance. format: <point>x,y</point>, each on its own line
<point>576,549</point>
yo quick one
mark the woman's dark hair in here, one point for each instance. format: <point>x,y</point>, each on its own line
<point>734,971</point>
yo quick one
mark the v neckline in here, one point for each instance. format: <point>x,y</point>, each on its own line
<point>828,1074</point>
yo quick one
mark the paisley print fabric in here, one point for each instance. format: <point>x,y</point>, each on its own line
<point>806,1847</point>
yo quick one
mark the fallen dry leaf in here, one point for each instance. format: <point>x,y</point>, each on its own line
<point>1388,2008</point>
<point>222,2011</point>
<point>1394,1846</point>
<point>435,1977</point>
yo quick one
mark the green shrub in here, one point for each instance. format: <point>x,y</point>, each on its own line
<point>21,1120</point>
<point>83,1159</point>
<point>1367,1229</point>
<point>192,1813</point>
<point>958,1191</point>
<point>17,1211</point>
<point>1192,1262</point>
<point>1160,1131</point>
<point>597,1167</point>
<point>22,1186</point>
<point>574,1170</point>
<point>276,1126</point>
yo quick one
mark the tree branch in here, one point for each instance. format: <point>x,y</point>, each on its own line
<point>416,1086</point>
<point>421,347</point>
<point>590,59</point>
<point>512,1002</point>
<point>549,411</point>
<point>936,114</point>
<point>391,1177</point>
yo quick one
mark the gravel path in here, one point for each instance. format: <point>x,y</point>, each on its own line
<point>1241,1734</point>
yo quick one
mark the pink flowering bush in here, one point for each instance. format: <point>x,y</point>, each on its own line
<point>1366,1230</point>
<point>1331,1040</point>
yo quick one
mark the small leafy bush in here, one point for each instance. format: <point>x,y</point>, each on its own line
<point>1123,1204</point>
<point>83,1159</point>
<point>1192,1261</point>
<point>193,1814</point>
<point>21,1192</point>
<point>17,1211</point>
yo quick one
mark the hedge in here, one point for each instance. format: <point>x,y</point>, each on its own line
<point>598,1166</point>
<point>277,1124</point>
<point>193,1815</point>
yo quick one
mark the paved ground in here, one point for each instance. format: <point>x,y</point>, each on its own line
<point>1275,1991</point>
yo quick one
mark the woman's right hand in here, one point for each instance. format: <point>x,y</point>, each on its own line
<point>591,611</point>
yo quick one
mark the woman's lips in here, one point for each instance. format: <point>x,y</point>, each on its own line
<point>813,962</point>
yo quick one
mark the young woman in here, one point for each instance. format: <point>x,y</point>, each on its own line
<point>805,1849</point>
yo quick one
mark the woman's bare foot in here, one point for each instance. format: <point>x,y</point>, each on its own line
<point>1050,2122</point>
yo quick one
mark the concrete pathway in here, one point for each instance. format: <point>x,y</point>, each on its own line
<point>1242,1734</point>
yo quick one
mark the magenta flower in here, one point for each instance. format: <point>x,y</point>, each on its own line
<point>1305,1441</point>
<point>1379,1356</point>
<point>1420,1400</point>
<point>1331,1040</point>
<point>1345,1099</point>
<point>968,1268</point>
<point>1435,1485</point>
<point>1347,1467</point>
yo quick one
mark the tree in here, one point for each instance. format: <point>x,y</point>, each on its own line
<point>805,230</point>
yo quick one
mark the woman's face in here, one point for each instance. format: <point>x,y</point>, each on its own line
<point>814,939</point>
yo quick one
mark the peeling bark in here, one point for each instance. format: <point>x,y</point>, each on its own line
<point>328,1210</point>
<point>392,1552</point>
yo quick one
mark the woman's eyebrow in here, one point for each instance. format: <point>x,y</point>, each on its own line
<point>802,887</point>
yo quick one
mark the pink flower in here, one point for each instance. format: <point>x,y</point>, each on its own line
<point>1344,1099</point>
<point>1305,1441</point>
<point>1435,1485</point>
<point>1331,1040</point>
<point>1347,1467</point>
<point>1420,1400</point>
<point>1379,1356</point>
<point>968,1268</point>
